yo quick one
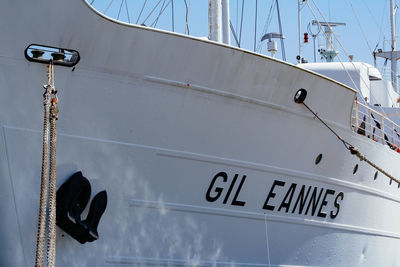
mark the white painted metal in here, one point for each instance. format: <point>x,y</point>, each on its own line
<point>154,126</point>
<point>364,77</point>
<point>299,57</point>
<point>393,55</point>
<point>226,32</point>
<point>362,113</point>
<point>393,58</point>
<point>215,20</point>
<point>272,47</point>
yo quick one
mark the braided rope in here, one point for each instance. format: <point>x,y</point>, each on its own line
<point>351,148</point>
<point>363,158</point>
<point>51,247</point>
<point>50,115</point>
<point>41,236</point>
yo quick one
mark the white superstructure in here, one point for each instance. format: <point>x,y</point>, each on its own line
<point>205,163</point>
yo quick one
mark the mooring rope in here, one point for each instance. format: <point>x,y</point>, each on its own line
<point>51,246</point>
<point>351,148</point>
<point>41,236</point>
<point>50,115</point>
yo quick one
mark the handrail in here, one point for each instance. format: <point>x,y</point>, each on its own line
<point>376,126</point>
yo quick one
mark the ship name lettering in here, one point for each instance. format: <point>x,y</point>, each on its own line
<point>303,200</point>
<point>282,196</point>
<point>214,191</point>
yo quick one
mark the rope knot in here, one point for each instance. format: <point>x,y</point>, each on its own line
<point>54,109</point>
<point>353,150</point>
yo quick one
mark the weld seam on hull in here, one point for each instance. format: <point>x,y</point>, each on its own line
<point>246,99</point>
<point>179,262</point>
<point>235,163</point>
<point>259,216</point>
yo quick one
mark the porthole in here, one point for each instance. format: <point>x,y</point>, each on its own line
<point>355,169</point>
<point>376,175</point>
<point>318,159</point>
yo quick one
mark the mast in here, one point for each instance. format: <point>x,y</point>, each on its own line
<point>215,20</point>
<point>281,32</point>
<point>393,55</point>
<point>218,19</point>
<point>299,29</point>
<point>226,37</point>
<point>393,59</point>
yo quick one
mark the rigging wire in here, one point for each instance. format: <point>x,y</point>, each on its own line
<point>267,23</point>
<point>187,17</point>
<point>341,62</point>
<point>159,14</point>
<point>105,11</point>
<point>233,33</point>
<point>120,7</point>
<point>359,24</point>
<point>390,96</point>
<point>237,15</point>
<point>255,27</point>
<point>241,24</point>
<point>141,10</point>
<point>372,15</point>
<point>127,11</point>
<point>366,40</point>
<point>151,12</point>
<point>326,36</point>
<point>344,50</point>
<point>380,28</point>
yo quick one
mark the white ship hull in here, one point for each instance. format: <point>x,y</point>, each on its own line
<point>165,123</point>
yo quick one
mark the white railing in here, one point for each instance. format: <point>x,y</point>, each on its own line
<point>376,126</point>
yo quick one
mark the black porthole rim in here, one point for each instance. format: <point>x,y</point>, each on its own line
<point>355,169</point>
<point>318,159</point>
<point>300,96</point>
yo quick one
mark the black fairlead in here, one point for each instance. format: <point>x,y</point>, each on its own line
<point>300,96</point>
<point>50,54</point>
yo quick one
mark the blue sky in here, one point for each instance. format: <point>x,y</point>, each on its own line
<point>373,16</point>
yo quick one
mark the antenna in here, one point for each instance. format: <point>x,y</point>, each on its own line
<point>314,36</point>
<point>329,53</point>
<point>272,46</point>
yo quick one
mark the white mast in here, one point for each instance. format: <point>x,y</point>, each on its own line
<point>215,20</point>
<point>219,18</point>
<point>393,55</point>
<point>393,59</point>
<point>299,29</point>
<point>226,36</point>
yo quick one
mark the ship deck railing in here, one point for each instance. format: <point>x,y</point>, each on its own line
<point>375,125</point>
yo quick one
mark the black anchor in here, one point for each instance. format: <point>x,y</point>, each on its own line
<point>72,198</point>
